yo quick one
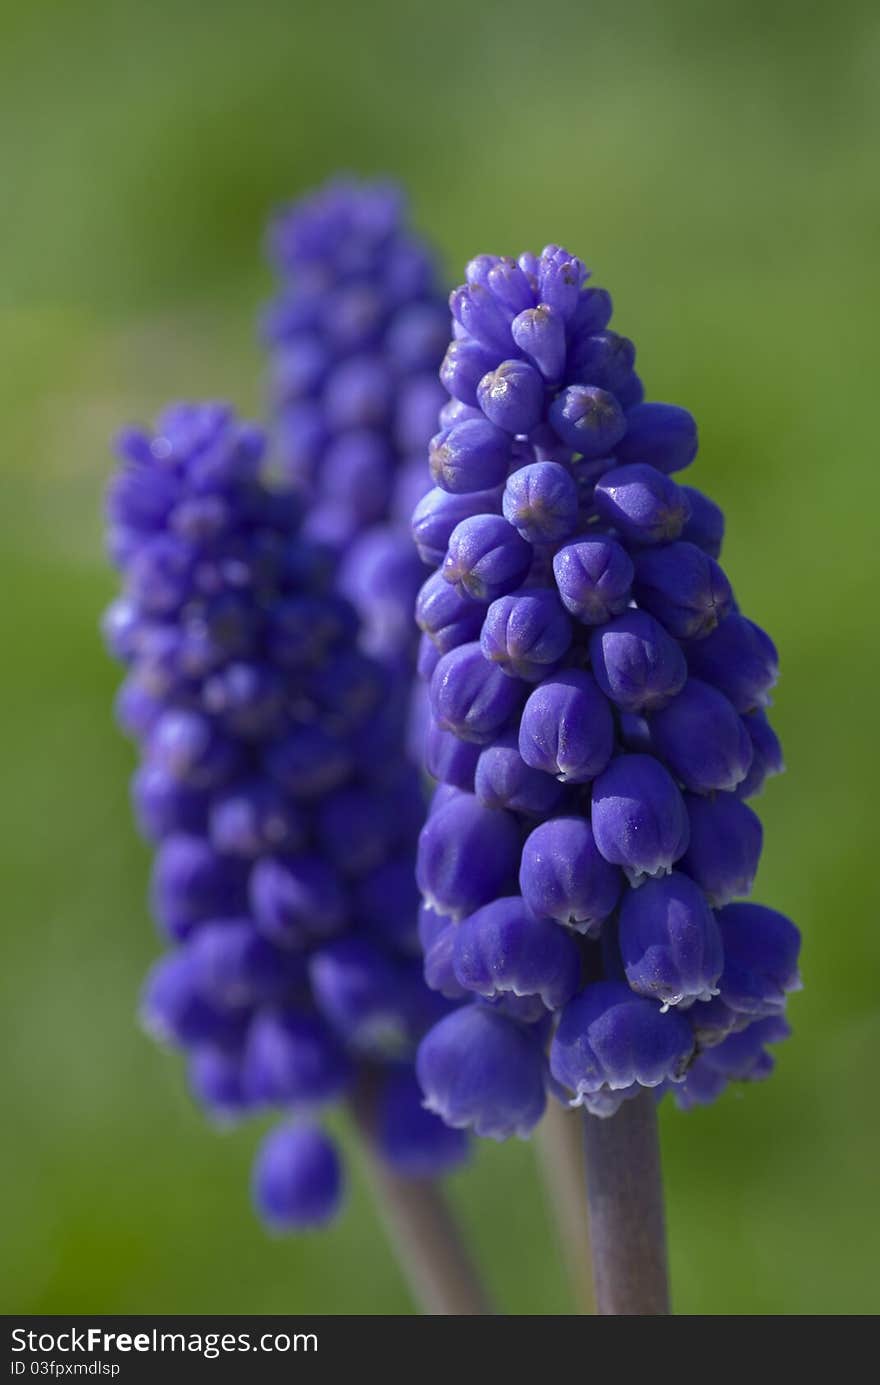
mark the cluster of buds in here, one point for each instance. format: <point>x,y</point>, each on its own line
<point>356,336</point>
<point>274,785</point>
<point>597,727</point>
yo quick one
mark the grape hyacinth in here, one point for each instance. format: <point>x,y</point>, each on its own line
<point>597,723</point>
<point>274,785</point>
<point>356,336</point>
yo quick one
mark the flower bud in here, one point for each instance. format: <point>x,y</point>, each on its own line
<point>686,591</point>
<point>669,941</point>
<point>701,739</point>
<point>541,502</point>
<point>564,877</point>
<point>636,663</point>
<point>526,634</point>
<point>609,1037</point>
<point>724,847</point>
<point>639,818</point>
<point>593,577</point>
<point>478,1069</point>
<point>567,729</point>
<point>503,948</point>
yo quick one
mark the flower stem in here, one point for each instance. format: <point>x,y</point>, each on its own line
<point>560,1141</point>
<point>439,1270</point>
<point>625,1196</point>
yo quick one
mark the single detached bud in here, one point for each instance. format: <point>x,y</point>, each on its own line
<point>503,948</point>
<point>724,846</point>
<point>526,634</point>
<point>486,557</point>
<point>662,435</point>
<point>503,779</point>
<point>610,1037</point>
<point>701,739</point>
<point>297,1179</point>
<point>594,578</point>
<point>643,504</point>
<point>564,877</point>
<point>588,419</point>
<point>683,588</point>
<point>468,855</point>
<point>567,729</point>
<point>481,1070</point>
<point>541,502</point>
<point>639,818</point>
<point>669,941</point>
<point>636,663</point>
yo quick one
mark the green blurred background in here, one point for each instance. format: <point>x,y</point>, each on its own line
<point>716,165</point>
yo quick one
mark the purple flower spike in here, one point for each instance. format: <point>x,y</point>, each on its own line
<point>609,1037</point>
<point>636,663</point>
<point>297,1180</point>
<point>504,949</point>
<point>478,1069</point>
<point>563,876</point>
<point>639,818</point>
<point>567,729</point>
<point>669,941</point>
<point>608,715</point>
